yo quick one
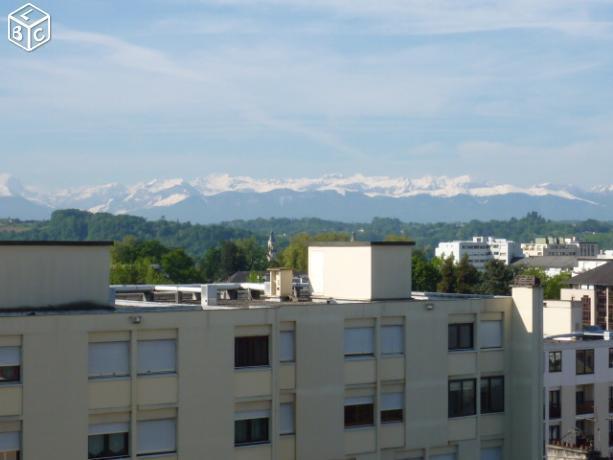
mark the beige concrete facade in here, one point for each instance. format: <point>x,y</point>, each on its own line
<point>58,400</point>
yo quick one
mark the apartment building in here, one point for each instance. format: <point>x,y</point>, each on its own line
<point>557,246</point>
<point>594,289</point>
<point>480,250</point>
<point>361,371</point>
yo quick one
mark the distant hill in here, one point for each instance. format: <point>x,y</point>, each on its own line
<point>196,238</point>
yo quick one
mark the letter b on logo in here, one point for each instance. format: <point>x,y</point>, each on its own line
<point>16,33</point>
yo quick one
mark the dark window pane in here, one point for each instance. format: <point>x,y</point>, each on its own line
<point>461,398</point>
<point>95,446</point>
<point>251,351</point>
<point>108,446</point>
<point>460,336</point>
<point>555,361</point>
<point>359,415</point>
<point>492,395</point>
<point>254,431</point>
<point>10,374</point>
<point>388,416</point>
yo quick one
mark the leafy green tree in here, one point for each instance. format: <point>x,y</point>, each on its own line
<point>425,274</point>
<point>448,276</point>
<point>179,267</point>
<point>467,277</point>
<point>496,278</point>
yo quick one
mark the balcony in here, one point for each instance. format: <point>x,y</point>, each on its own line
<point>586,407</point>
<point>555,411</point>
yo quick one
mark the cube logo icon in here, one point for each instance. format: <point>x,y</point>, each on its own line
<point>29,27</point>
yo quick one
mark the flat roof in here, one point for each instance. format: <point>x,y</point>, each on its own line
<point>360,243</point>
<point>54,243</point>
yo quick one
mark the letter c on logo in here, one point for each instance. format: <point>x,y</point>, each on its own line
<point>39,34</point>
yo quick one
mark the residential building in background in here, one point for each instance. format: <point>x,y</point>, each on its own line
<point>359,371</point>
<point>560,246</point>
<point>480,250</point>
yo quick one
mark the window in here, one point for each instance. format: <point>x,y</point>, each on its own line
<point>10,364</point>
<point>157,357</point>
<point>392,340</point>
<point>109,359</point>
<point>108,440</point>
<point>585,362</point>
<point>490,334</point>
<point>287,418</point>
<point>157,437</point>
<point>252,428</point>
<point>392,407</point>
<point>287,351</point>
<point>461,336</point>
<point>555,409</point>
<point>491,453</point>
<point>555,361</point>
<point>492,395</point>
<point>359,411</point>
<point>610,358</point>
<point>10,445</point>
<point>462,397</point>
<point>251,351</point>
<point>554,433</point>
<point>359,341</point>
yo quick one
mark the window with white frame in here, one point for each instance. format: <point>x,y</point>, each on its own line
<point>287,418</point>
<point>287,346</point>
<point>252,427</point>
<point>10,364</point>
<point>108,441</point>
<point>156,437</point>
<point>10,445</point>
<point>109,359</point>
<point>359,341</point>
<point>392,340</point>
<point>490,334</point>
<point>157,357</point>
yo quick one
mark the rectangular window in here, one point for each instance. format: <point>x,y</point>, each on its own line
<point>10,445</point>
<point>109,359</point>
<point>490,334</point>
<point>287,347</point>
<point>491,453</point>
<point>10,364</point>
<point>555,361</point>
<point>359,341</point>
<point>287,418</point>
<point>462,398</point>
<point>585,362</point>
<point>108,441</point>
<point>157,357</point>
<point>461,336</point>
<point>252,428</point>
<point>555,408</point>
<point>251,351</point>
<point>157,437</point>
<point>492,395</point>
<point>392,340</point>
<point>392,407</point>
<point>359,411</point>
<point>554,433</point>
<point>610,358</point>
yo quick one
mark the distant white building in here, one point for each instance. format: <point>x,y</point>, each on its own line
<point>480,250</point>
<point>557,246</point>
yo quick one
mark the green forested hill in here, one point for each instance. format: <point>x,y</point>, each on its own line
<point>196,239</point>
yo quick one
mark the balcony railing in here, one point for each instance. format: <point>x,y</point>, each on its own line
<point>554,411</point>
<point>586,407</point>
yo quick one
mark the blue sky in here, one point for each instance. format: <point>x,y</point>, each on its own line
<point>515,91</point>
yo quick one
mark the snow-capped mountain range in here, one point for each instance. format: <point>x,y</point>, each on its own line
<point>215,198</point>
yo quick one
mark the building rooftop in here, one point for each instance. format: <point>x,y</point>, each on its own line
<point>360,243</point>
<point>54,243</point>
<point>599,276</point>
<point>562,262</point>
